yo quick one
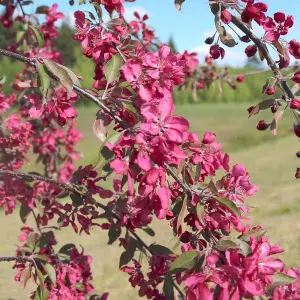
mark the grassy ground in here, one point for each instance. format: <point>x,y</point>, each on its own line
<point>271,161</point>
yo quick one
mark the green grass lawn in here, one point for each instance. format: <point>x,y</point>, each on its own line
<point>270,160</point>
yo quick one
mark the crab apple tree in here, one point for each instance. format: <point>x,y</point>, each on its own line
<point>158,169</point>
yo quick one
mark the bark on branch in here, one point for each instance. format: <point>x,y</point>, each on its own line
<point>264,50</point>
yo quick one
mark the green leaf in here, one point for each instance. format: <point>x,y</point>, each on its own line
<point>63,194</point>
<point>24,212</point>
<point>27,2</point>
<point>42,257</point>
<point>258,233</point>
<point>98,10</point>
<point>51,272</point>
<point>178,4</point>
<point>226,244</point>
<point>104,153</point>
<point>100,126</point>
<point>185,261</point>
<point>199,264</point>
<point>19,35</point>
<point>65,249</point>
<point>80,286</point>
<point>25,275</point>
<point>65,76</point>
<point>25,250</point>
<point>200,213</point>
<point>182,212</point>
<point>130,108</point>
<point>43,9</point>
<point>160,250</point>
<point>168,287</point>
<point>44,80</point>
<point>174,243</point>
<point>112,68</point>
<point>2,80</point>
<point>283,279</point>
<point>41,280</point>
<point>124,84</point>
<point>149,230</point>
<point>31,241</point>
<point>245,249</point>
<point>276,119</point>
<point>229,204</point>
<point>280,279</point>
<point>76,199</point>
<point>38,294</point>
<point>45,240</point>
<point>38,35</point>
<point>225,37</point>
<point>197,172</point>
<point>60,220</point>
<point>126,257</point>
<point>113,233</point>
<point>265,104</point>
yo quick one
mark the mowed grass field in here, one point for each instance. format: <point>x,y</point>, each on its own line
<point>271,162</point>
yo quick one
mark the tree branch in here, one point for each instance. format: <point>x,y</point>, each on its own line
<point>68,188</point>
<point>78,89</point>
<point>23,176</point>
<point>264,50</point>
<point>72,189</point>
<point>91,97</point>
<point>187,189</point>
<point>17,258</point>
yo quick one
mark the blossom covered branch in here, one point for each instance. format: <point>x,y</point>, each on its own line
<point>156,167</point>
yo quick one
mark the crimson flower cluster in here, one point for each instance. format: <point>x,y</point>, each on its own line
<point>157,167</point>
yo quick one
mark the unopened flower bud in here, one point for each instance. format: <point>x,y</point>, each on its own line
<point>240,78</point>
<point>226,16</point>
<point>274,109</point>
<point>295,104</point>
<point>208,59</point>
<point>185,237</point>
<point>216,51</point>
<point>262,125</point>
<point>270,91</point>
<point>296,77</point>
<point>245,39</point>
<point>297,175</point>
<point>209,40</point>
<point>250,109</point>
<point>208,138</point>
<point>297,130</point>
<point>251,50</point>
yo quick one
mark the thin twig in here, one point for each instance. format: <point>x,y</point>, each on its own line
<point>23,176</point>
<point>71,188</point>
<point>16,258</point>
<point>76,88</point>
<point>187,189</point>
<point>36,221</point>
<point>264,50</point>
<point>89,96</point>
<point>22,8</point>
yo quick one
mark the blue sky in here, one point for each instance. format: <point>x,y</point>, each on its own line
<point>190,28</point>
